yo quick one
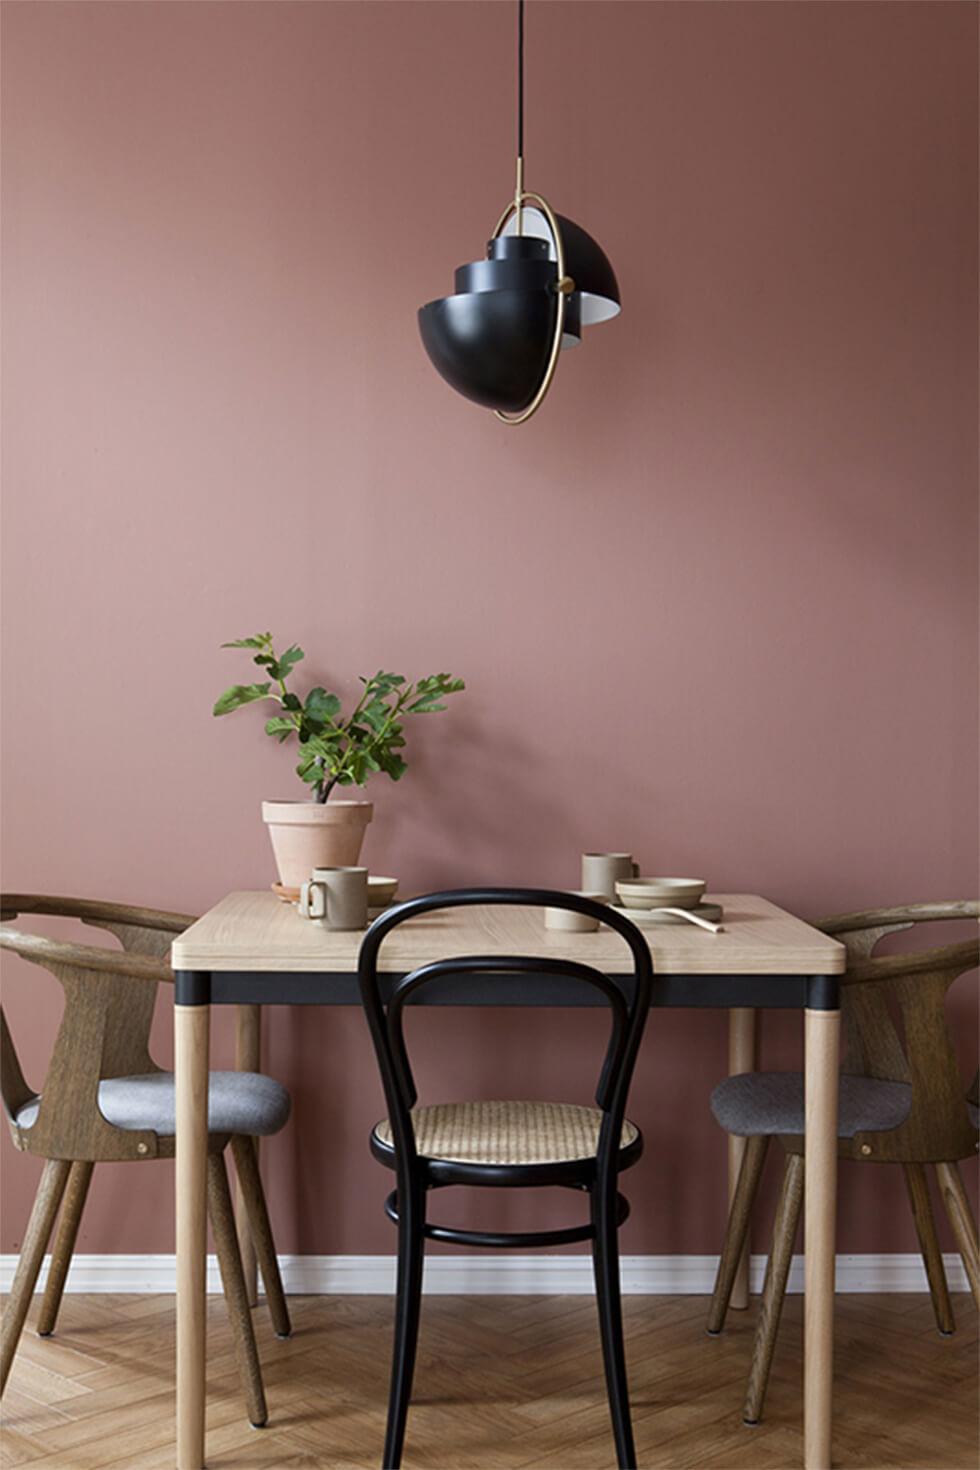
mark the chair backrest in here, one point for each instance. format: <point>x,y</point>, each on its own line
<point>628,997</point>
<point>921,1051</point>
<point>104,1031</point>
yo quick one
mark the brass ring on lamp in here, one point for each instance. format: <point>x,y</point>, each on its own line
<point>564,286</point>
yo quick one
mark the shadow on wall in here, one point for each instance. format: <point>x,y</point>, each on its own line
<point>468,791</point>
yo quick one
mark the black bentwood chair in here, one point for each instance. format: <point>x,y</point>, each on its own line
<point>506,1144</point>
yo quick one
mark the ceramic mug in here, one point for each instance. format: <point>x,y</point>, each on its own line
<point>572,922</point>
<point>338,897</point>
<point>600,871</point>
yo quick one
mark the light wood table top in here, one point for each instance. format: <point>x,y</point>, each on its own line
<point>258,932</point>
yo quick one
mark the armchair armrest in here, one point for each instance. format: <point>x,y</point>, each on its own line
<point>902,917</point>
<point>41,950</point>
<point>955,957</point>
<point>92,911</point>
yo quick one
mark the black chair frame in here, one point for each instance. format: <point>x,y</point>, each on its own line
<point>628,997</point>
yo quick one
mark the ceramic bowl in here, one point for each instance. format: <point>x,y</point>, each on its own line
<point>660,893</point>
<point>381,891</point>
<point>571,922</point>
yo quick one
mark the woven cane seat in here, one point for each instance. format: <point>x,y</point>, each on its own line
<point>506,1132</point>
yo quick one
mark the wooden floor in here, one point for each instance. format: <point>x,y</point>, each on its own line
<point>502,1381</point>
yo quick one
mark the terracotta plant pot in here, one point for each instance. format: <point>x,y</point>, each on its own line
<point>311,834</point>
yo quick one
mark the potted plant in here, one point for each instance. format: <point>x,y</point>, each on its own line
<point>334,750</point>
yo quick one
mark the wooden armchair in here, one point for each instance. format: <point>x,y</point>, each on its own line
<point>104,1098</point>
<point>902,1101</point>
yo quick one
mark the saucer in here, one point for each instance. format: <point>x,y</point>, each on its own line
<point>713,912</point>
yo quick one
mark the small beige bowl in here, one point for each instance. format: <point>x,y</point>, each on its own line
<point>660,893</point>
<point>381,891</point>
<point>571,922</point>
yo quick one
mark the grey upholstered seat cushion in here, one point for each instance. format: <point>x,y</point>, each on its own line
<point>772,1102</point>
<point>238,1102</point>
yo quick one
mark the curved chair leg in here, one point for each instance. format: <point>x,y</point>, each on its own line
<point>236,1294</point>
<point>411,1253</point>
<point>36,1236</point>
<point>917,1184</point>
<point>250,1185</point>
<point>957,1205</point>
<point>605,1260</point>
<point>774,1289</point>
<point>64,1245</point>
<point>746,1188</point>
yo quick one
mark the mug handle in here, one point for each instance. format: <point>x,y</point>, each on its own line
<point>313,900</point>
<point>636,868</point>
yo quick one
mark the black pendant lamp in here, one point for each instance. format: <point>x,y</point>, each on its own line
<point>496,340</point>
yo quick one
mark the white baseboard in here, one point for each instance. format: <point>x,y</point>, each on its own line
<point>493,1275</point>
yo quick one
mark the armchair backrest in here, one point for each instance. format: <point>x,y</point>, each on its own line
<point>105,1026</point>
<point>919,1052</point>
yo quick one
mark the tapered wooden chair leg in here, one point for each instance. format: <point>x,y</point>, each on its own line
<point>774,1289</point>
<point>64,1246</point>
<point>408,1303</point>
<point>253,1196</point>
<point>917,1184</point>
<point>957,1205</point>
<point>236,1294</point>
<point>605,1259</point>
<point>746,1188</point>
<point>36,1237</point>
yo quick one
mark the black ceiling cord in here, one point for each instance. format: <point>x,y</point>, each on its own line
<point>520,78</point>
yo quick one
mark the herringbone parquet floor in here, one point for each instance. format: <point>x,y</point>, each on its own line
<point>502,1382</point>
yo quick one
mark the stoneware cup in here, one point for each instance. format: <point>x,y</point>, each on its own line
<point>338,897</point>
<point>602,870</point>
<point>571,922</point>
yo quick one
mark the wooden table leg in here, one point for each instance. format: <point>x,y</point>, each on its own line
<point>191,1047</point>
<point>742,1046</point>
<point>248,1058</point>
<point>820,1208</point>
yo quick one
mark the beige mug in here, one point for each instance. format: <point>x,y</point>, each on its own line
<point>338,897</point>
<point>601,870</point>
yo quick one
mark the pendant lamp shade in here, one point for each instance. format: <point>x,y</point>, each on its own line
<point>585,261</point>
<point>497,338</point>
<point>491,346</point>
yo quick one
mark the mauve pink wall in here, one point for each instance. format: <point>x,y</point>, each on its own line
<point>716,603</point>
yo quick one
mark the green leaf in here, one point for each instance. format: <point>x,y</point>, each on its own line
<point>291,701</point>
<point>392,765</point>
<point>289,659</point>
<point>280,726</point>
<point>321,707</point>
<point>238,695</point>
<point>261,640</point>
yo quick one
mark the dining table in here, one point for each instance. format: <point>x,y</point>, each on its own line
<point>252,950</point>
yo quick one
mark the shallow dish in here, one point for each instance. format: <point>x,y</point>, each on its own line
<point>381,891</point>
<point>711,912</point>
<point>659,893</point>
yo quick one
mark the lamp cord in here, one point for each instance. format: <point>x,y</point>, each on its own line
<point>520,78</point>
